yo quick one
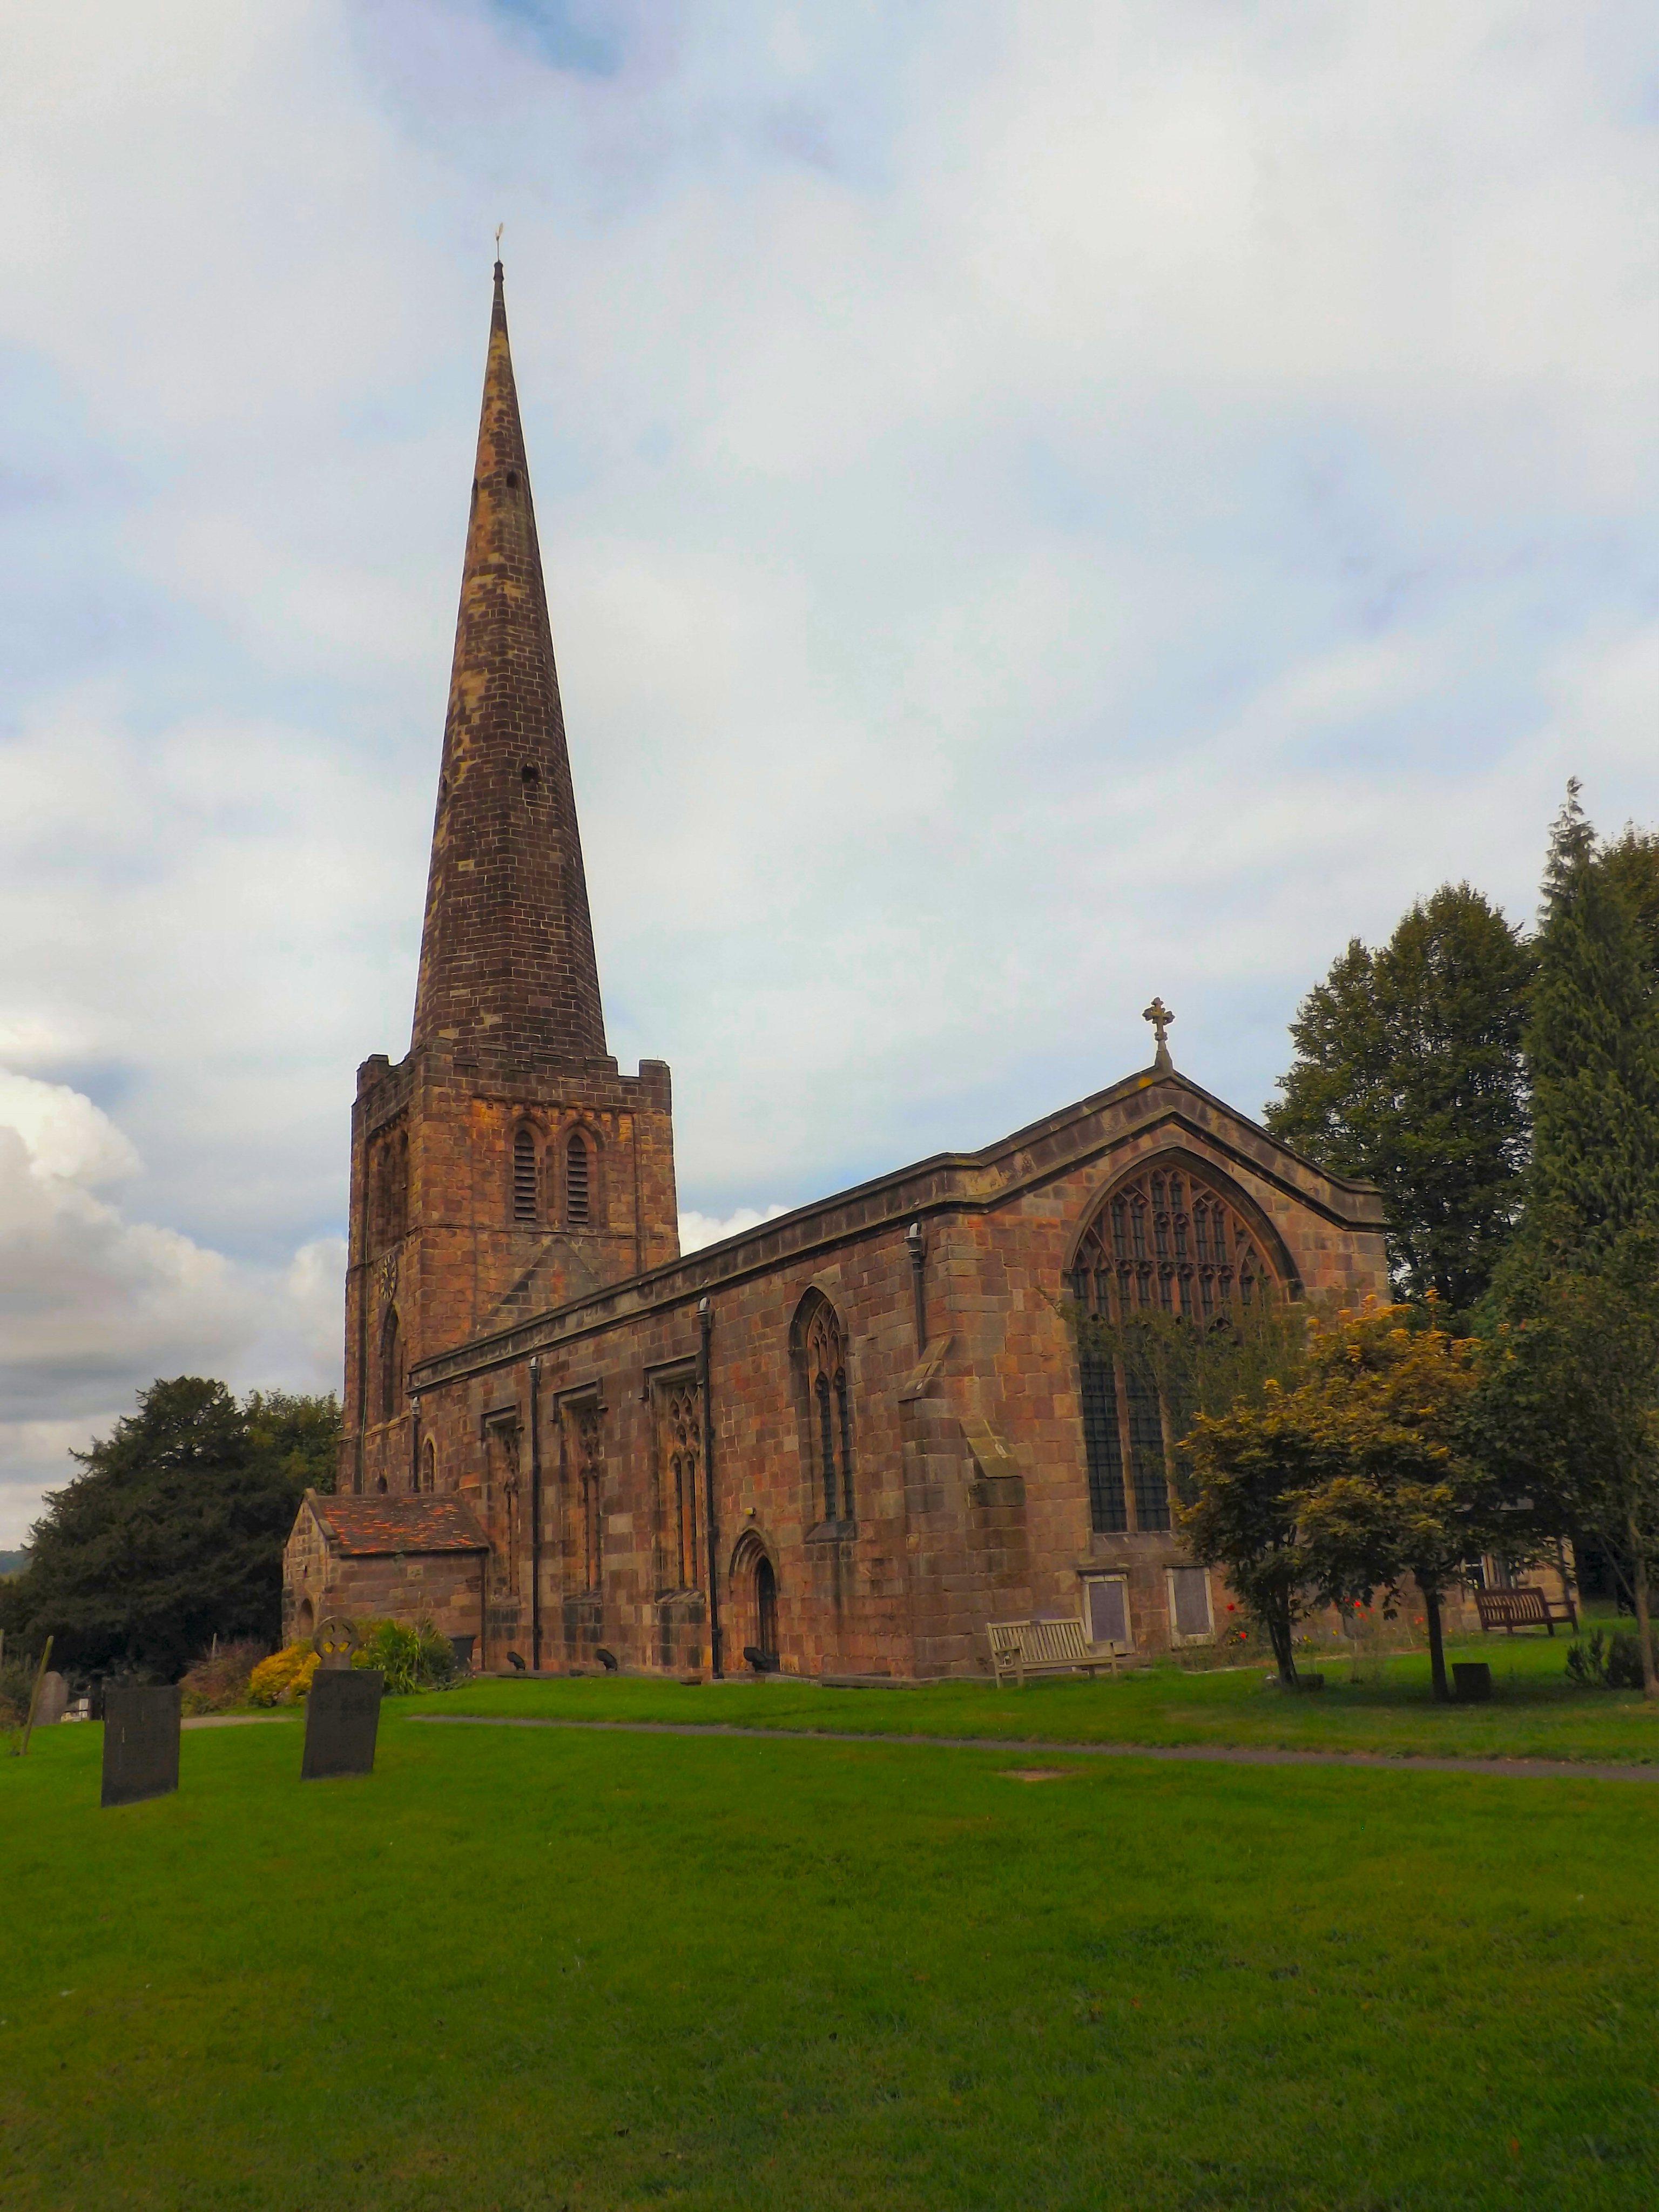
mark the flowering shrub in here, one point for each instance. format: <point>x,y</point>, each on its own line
<point>217,1684</point>
<point>284,1677</point>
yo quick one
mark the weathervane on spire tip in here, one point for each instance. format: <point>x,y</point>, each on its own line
<point>1160,1017</point>
<point>500,228</point>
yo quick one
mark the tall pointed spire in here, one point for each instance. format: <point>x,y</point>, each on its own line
<point>507,953</point>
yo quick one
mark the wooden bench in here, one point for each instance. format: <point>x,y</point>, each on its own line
<point>1526,1607</point>
<point>1019,1648</point>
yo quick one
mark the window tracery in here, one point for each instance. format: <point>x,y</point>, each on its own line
<point>824,1358</point>
<point>681,1452</point>
<point>1167,1241</point>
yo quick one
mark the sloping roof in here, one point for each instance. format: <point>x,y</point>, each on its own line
<point>366,1527</point>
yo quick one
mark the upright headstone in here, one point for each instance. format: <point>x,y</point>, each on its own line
<point>54,1698</point>
<point>343,1717</point>
<point>141,1743</point>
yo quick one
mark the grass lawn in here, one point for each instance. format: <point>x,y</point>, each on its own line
<point>528,1968</point>
<point>1536,1712</point>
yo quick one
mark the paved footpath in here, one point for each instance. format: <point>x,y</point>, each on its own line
<point>1528,1769</point>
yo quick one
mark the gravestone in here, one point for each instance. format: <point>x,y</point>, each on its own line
<point>1472,1681</point>
<point>141,1743</point>
<point>54,1698</point>
<point>343,1717</point>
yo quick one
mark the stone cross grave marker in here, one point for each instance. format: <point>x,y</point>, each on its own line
<point>343,1717</point>
<point>141,1743</point>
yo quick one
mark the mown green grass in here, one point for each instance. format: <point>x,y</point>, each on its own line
<point>1535,1712</point>
<point>535,1968</point>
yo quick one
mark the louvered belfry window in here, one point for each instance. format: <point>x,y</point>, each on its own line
<point>1166,1241</point>
<point>577,1180</point>
<point>524,1207</point>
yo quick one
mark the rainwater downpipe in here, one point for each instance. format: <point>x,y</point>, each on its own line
<point>536,1512</point>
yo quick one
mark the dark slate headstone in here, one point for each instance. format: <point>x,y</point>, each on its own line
<point>342,1716</point>
<point>1472,1681</point>
<point>141,1743</point>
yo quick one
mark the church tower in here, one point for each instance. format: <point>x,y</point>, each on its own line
<point>504,1166</point>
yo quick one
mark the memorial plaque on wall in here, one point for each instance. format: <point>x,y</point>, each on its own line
<point>343,1716</point>
<point>141,1743</point>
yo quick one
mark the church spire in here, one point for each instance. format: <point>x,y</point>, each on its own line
<point>507,952</point>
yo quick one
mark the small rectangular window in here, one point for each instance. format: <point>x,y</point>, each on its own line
<point>1190,1620</point>
<point>1106,1599</point>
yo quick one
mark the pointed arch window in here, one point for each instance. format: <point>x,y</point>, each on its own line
<point>830,1416</point>
<point>578,1181</point>
<point>391,1366</point>
<point>524,1207</point>
<point>429,1468</point>
<point>1166,1241</point>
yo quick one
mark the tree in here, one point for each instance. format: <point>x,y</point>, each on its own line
<point>1574,1404</point>
<point>1404,1492</point>
<point>173,1531</point>
<point>1356,1477</point>
<point>1409,1074</point>
<point>1248,1467</point>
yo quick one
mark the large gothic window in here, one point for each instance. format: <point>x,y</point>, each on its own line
<point>829,1411</point>
<point>679,1449</point>
<point>1166,1241</point>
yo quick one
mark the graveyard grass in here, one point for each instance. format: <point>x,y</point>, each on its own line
<point>552,1967</point>
<point>1536,1712</point>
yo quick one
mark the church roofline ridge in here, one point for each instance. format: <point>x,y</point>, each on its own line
<point>940,1184</point>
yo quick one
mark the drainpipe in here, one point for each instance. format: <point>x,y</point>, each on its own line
<point>917,1246</point>
<point>535,1513</point>
<point>706,1325</point>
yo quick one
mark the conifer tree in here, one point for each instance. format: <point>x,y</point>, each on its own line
<point>1573,1406</point>
<point>1409,1074</point>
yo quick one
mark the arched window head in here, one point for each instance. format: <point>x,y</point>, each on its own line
<point>1166,1241</point>
<point>578,1181</point>
<point>824,1355</point>
<point>391,1366</point>
<point>524,1207</point>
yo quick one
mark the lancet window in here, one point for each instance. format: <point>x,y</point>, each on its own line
<point>391,1366</point>
<point>679,1452</point>
<point>584,1445</point>
<point>1167,1241</point>
<point>578,1181</point>
<point>828,1410</point>
<point>524,1207</point>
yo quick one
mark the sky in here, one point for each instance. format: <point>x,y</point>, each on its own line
<point>1044,503</point>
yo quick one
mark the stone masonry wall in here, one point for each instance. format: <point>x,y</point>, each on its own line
<point>970,1478</point>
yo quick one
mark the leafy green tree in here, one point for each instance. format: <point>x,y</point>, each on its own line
<point>1404,1493</point>
<point>172,1531</point>
<point>1248,1468</point>
<point>1409,1074</point>
<point>1572,1409</point>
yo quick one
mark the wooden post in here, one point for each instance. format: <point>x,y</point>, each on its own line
<point>34,1698</point>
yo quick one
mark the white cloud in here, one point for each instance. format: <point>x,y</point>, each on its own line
<point>97,1305</point>
<point>697,1230</point>
<point>1044,503</point>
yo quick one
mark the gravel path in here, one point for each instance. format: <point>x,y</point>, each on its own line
<point>1529,1770</point>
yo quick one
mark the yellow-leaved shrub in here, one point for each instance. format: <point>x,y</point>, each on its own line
<point>284,1677</point>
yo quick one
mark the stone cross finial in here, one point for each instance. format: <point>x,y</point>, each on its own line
<point>1160,1017</point>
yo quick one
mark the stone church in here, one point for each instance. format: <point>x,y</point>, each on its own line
<point>842,1443</point>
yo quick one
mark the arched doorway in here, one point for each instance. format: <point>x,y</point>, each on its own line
<point>306,1619</point>
<point>766,1608</point>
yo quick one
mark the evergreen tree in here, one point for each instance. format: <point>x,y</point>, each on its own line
<point>1573,1404</point>
<point>173,1531</point>
<point>1409,1074</point>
